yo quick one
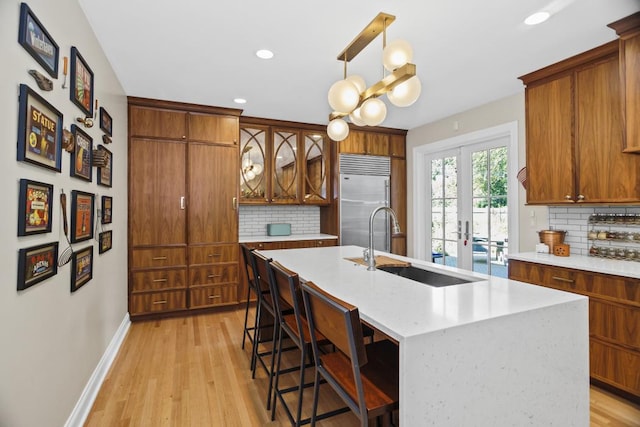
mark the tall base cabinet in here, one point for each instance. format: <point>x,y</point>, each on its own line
<point>183,217</point>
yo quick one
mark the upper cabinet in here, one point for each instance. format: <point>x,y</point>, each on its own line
<point>283,165</point>
<point>575,138</point>
<point>253,164</point>
<point>284,158</point>
<point>315,167</point>
<point>217,129</point>
<point>361,142</point>
<point>629,31</point>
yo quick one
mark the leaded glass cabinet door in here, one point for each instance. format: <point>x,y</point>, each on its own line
<point>253,168</point>
<point>315,168</point>
<point>285,167</point>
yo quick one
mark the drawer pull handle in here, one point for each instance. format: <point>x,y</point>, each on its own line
<point>562,279</point>
<point>164,301</point>
<point>214,296</point>
<point>212,276</point>
<point>213,255</point>
<point>159,280</point>
<point>159,258</point>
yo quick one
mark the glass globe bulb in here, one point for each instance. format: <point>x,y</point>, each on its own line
<point>396,54</point>
<point>337,129</point>
<point>250,175</point>
<point>246,163</point>
<point>343,96</point>
<point>358,82</point>
<point>356,118</point>
<point>257,168</point>
<point>406,93</point>
<point>373,111</point>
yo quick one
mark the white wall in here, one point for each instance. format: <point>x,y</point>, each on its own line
<point>495,113</point>
<point>51,340</point>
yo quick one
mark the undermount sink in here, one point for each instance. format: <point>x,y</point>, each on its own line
<point>427,277</point>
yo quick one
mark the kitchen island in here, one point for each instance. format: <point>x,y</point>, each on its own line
<point>493,352</point>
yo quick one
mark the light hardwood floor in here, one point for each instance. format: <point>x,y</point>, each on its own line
<point>191,371</point>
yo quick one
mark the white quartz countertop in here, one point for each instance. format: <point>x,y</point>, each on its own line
<point>403,308</point>
<point>583,262</point>
<point>292,237</point>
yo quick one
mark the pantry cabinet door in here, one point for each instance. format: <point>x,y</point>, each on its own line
<point>213,192</point>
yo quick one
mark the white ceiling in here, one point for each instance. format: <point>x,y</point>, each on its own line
<point>467,52</point>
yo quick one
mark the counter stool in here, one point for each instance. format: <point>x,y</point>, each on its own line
<point>366,377</point>
<point>285,287</point>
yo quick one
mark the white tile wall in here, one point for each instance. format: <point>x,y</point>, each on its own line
<point>254,219</point>
<point>575,221</point>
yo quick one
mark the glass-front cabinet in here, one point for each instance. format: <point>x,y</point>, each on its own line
<point>315,167</point>
<point>253,165</point>
<point>284,159</point>
<point>283,165</point>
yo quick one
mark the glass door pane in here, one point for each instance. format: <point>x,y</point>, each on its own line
<point>489,210</point>
<point>444,210</point>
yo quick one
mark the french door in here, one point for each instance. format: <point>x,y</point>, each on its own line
<point>466,205</point>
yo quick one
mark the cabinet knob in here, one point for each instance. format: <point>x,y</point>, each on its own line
<point>580,197</point>
<point>567,197</point>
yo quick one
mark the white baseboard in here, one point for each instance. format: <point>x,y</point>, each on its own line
<point>83,406</point>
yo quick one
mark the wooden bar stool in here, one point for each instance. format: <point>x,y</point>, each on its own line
<point>366,377</point>
<point>285,287</point>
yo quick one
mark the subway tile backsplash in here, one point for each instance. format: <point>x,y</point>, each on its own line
<point>254,219</point>
<point>575,221</point>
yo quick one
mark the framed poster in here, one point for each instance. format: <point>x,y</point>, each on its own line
<point>106,122</point>
<point>81,78</point>
<point>105,173</point>
<point>39,131</point>
<point>105,241</point>
<point>36,264</point>
<point>81,154</point>
<point>36,40</point>
<point>82,207</point>
<point>107,202</point>
<point>81,267</point>
<point>35,207</point>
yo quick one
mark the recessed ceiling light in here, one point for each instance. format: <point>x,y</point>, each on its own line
<point>264,54</point>
<point>240,100</point>
<point>537,18</point>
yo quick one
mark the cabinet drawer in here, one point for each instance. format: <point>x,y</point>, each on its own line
<point>158,257</point>
<point>613,288</point>
<point>209,275</point>
<point>213,295</point>
<point>613,322</point>
<point>326,242</point>
<point>213,254</point>
<point>615,366</point>
<point>156,280</point>
<point>156,302</point>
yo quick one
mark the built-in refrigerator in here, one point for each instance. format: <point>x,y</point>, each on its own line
<point>364,185</point>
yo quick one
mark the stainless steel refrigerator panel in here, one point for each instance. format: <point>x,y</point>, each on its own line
<point>359,196</point>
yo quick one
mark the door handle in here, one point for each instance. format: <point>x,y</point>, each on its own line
<point>466,230</point>
<point>182,202</point>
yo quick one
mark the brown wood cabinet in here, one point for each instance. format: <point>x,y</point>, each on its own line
<point>628,29</point>
<point>614,318</point>
<point>283,163</point>
<point>183,218</point>
<point>575,140</point>
<point>361,142</point>
<point>267,246</point>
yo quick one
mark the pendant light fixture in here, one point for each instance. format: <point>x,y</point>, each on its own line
<point>351,98</point>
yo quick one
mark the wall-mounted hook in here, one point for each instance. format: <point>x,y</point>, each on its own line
<point>86,121</point>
